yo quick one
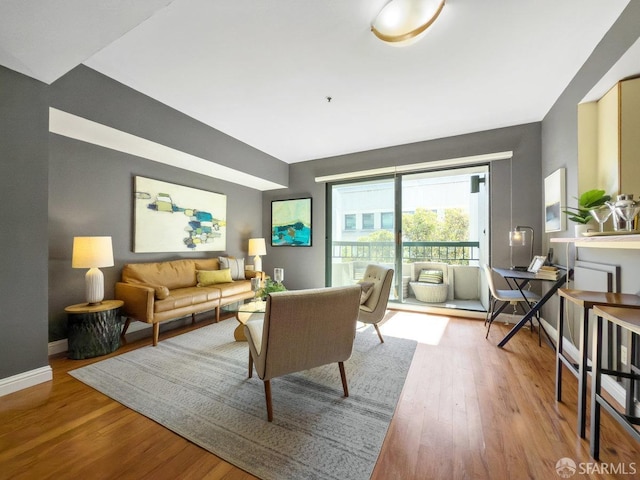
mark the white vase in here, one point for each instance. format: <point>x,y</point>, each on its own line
<point>581,228</point>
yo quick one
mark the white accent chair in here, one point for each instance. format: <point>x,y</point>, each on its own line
<point>303,329</point>
<point>372,311</point>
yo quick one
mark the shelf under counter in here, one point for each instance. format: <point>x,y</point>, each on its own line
<point>626,242</point>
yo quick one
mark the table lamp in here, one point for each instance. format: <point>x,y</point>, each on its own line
<point>518,238</point>
<point>257,247</point>
<point>93,253</point>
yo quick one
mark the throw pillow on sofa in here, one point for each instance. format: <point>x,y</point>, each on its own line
<point>430,276</point>
<point>211,277</point>
<point>236,265</point>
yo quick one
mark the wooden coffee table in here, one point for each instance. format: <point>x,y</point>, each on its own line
<point>244,312</point>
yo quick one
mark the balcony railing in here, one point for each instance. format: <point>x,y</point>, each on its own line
<point>454,253</point>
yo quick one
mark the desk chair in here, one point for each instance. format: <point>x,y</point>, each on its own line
<point>506,297</point>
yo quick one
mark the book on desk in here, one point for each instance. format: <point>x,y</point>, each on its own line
<point>548,272</point>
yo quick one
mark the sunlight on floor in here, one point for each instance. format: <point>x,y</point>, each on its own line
<point>421,327</point>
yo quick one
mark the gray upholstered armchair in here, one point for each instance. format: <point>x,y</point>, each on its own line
<point>303,329</point>
<point>372,310</point>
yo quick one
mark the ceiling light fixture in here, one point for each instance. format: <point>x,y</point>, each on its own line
<point>402,20</point>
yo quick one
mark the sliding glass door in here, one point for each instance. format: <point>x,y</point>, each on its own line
<point>413,222</point>
<point>362,228</point>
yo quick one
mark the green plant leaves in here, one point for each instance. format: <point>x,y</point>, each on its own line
<point>588,200</point>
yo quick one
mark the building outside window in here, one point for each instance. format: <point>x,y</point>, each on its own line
<point>367,221</point>
<point>386,220</point>
<point>350,221</point>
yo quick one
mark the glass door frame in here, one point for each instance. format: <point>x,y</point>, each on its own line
<point>398,232</point>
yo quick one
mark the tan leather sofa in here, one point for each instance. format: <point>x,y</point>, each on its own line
<point>156,292</point>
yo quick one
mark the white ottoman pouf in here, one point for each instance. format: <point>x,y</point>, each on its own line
<point>430,292</point>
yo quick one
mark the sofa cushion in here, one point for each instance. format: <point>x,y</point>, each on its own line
<point>236,265</point>
<point>173,274</point>
<point>160,291</point>
<point>212,277</point>
<point>207,264</point>
<point>233,288</point>
<point>185,297</point>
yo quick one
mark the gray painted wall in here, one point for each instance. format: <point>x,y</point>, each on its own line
<point>560,146</point>
<point>91,187</point>
<point>305,267</point>
<point>89,94</point>
<point>23,223</point>
<point>91,194</point>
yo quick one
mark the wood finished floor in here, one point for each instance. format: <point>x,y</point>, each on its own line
<point>468,410</point>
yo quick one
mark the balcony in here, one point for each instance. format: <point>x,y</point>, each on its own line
<point>453,253</point>
<point>460,260</point>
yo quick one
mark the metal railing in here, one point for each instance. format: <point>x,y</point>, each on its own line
<point>454,253</point>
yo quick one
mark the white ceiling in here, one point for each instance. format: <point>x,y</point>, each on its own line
<point>261,71</point>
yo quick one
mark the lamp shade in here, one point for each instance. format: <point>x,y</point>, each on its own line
<point>257,246</point>
<point>517,238</point>
<point>89,252</point>
<point>402,20</point>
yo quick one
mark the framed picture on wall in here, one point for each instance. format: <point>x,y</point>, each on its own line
<point>175,218</point>
<point>291,222</point>
<point>554,200</point>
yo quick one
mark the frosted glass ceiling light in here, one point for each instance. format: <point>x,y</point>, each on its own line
<point>401,21</point>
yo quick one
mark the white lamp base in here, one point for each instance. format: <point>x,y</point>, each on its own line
<point>94,286</point>
<point>257,263</point>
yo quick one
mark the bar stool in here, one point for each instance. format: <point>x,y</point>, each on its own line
<point>628,319</point>
<point>586,300</point>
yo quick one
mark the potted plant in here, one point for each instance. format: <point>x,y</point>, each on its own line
<point>270,286</point>
<point>587,201</point>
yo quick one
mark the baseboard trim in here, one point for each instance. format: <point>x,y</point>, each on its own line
<point>25,380</point>
<point>59,346</point>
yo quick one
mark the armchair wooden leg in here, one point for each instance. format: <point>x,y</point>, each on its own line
<point>378,332</point>
<point>250,365</point>
<point>343,376</point>
<point>193,318</point>
<point>217,314</point>
<point>127,322</point>
<point>156,333</point>
<point>267,394</point>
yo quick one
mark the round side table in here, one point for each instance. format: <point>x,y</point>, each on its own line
<point>93,330</point>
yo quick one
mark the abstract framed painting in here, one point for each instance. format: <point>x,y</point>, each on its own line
<point>291,222</point>
<point>554,200</point>
<point>176,218</point>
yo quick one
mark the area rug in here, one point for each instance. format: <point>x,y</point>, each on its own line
<point>196,385</point>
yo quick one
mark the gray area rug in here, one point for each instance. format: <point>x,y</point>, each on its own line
<point>196,385</point>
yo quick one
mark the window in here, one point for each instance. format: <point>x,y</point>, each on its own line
<point>367,221</point>
<point>350,221</point>
<point>386,220</point>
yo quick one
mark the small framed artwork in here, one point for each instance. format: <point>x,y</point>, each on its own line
<point>536,263</point>
<point>291,222</point>
<point>554,200</point>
